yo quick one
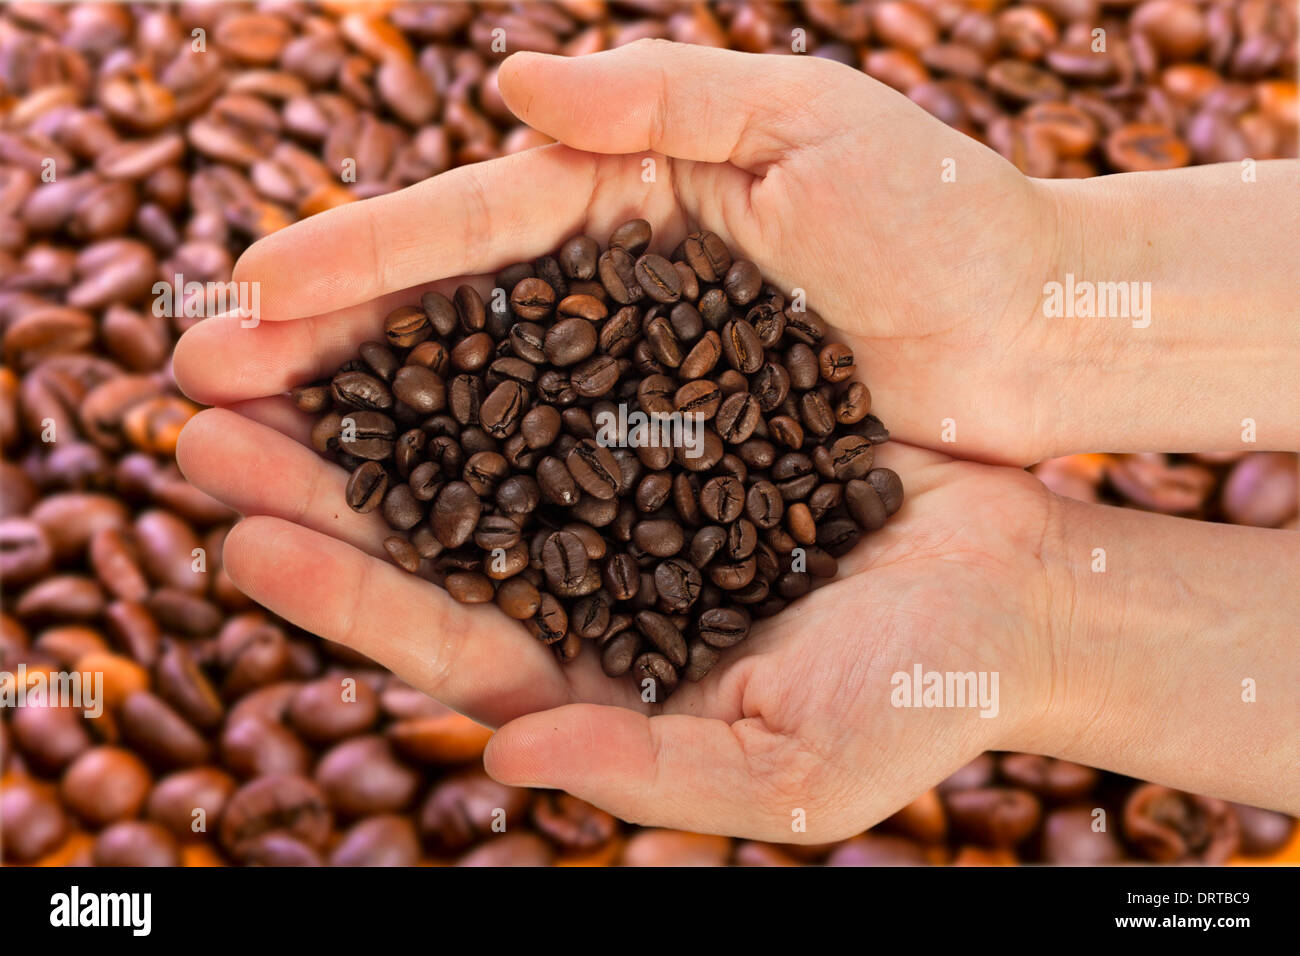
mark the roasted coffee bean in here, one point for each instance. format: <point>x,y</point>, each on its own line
<point>618,653</point>
<point>723,627</point>
<point>564,560</point>
<point>469,309</point>
<point>722,499</point>
<point>741,347</point>
<point>853,405</point>
<point>569,341</point>
<point>617,269</point>
<point>455,514</point>
<point>533,299</point>
<point>359,390</point>
<point>440,311</point>
<point>835,362</point>
<point>407,326</point>
<point>707,255</point>
<point>889,486</point>
<point>550,623</point>
<point>655,675</point>
<point>503,409</point>
<point>420,388</point>
<point>663,635</point>
<point>1170,826</point>
<point>621,577</point>
<point>993,816</point>
<point>632,236</point>
<point>594,469</point>
<point>678,584</point>
<point>657,277</point>
<point>661,537</point>
<point>737,417</point>
<point>742,282</point>
<point>578,257</point>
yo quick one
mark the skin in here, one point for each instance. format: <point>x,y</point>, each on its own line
<point>938,291</point>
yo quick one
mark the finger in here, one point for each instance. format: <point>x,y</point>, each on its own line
<point>688,102</point>
<point>258,471</point>
<point>673,770</point>
<point>464,655</point>
<point>470,220</point>
<point>278,412</point>
<point>218,361</point>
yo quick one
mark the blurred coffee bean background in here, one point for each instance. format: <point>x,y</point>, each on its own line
<point>129,154</point>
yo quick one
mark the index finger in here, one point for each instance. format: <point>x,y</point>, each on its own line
<point>467,221</point>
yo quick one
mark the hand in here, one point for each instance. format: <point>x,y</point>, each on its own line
<point>797,718</point>
<point>824,177</point>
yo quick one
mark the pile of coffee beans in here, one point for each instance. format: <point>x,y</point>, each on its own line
<point>640,451</point>
<point>170,159</point>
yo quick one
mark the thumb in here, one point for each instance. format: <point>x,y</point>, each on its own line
<point>674,770</point>
<point>688,102</point>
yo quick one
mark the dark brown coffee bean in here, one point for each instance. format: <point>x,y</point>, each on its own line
<point>737,417</point>
<point>657,277</point>
<point>407,326</point>
<point>678,584</point>
<point>655,676</point>
<point>723,627</point>
<point>359,390</point>
<point>594,469</point>
<point>889,486</point>
<point>618,653</point>
<point>707,255</point>
<point>741,347</point>
<point>578,257</point>
<point>663,635</point>
<point>503,409</point>
<point>722,499</point>
<point>533,299</point>
<point>632,236</point>
<point>420,388</point>
<point>742,282</point>
<point>469,309</point>
<point>455,514</point>
<point>440,312</point>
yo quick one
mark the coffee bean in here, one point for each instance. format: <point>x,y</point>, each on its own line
<point>578,257</point>
<point>407,326</point>
<point>618,653</point>
<point>741,347</point>
<point>657,277</point>
<point>655,676</point>
<point>723,627</point>
<point>359,390</point>
<point>420,388</point>
<point>469,309</point>
<point>594,469</point>
<point>742,282</point>
<point>632,236</point>
<point>707,255</point>
<point>617,268</point>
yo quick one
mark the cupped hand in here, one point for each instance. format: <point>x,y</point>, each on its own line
<point>926,250</point>
<point>819,176</point>
<point>797,725</point>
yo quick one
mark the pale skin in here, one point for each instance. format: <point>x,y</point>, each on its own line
<point>828,181</point>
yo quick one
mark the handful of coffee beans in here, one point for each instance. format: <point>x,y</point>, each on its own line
<point>618,447</point>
